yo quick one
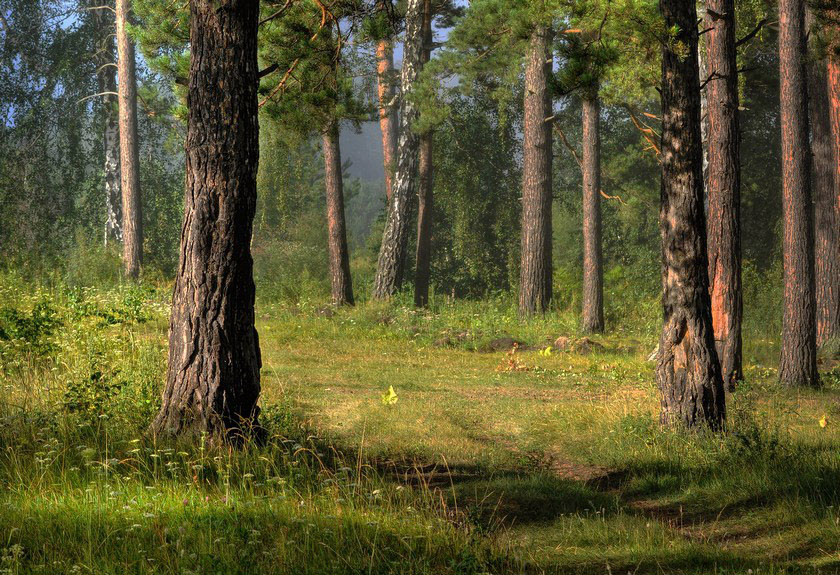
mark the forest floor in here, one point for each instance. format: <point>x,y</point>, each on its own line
<point>401,441</point>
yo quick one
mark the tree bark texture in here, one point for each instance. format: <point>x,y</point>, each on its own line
<point>106,62</point>
<point>798,365</point>
<point>535,275</point>
<point>132,209</point>
<point>687,372</point>
<point>426,191</point>
<point>828,218</point>
<point>387,110</point>
<point>724,188</point>
<point>826,224</point>
<point>593,271</point>
<point>213,379</point>
<point>391,263</point>
<point>342,286</point>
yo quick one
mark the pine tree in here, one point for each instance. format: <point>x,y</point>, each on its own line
<point>798,365</point>
<point>687,371</point>
<point>724,187</point>
<point>132,207</point>
<point>213,379</point>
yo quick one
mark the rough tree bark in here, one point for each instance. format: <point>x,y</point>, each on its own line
<point>389,270</point>
<point>535,268</point>
<point>826,224</point>
<point>213,379</point>
<point>798,365</point>
<point>106,62</point>
<point>387,111</point>
<point>593,272</point>
<point>342,286</point>
<point>828,215</point>
<point>687,371</point>
<point>426,191</point>
<point>724,188</point>
<point>132,221</point>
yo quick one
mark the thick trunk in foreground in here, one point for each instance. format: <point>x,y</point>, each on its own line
<point>828,295</point>
<point>387,113</point>
<point>535,268</point>
<point>687,371</point>
<point>798,365</point>
<point>724,189</point>
<point>593,272</point>
<point>132,222</point>
<point>389,269</point>
<point>342,287</point>
<point>106,76</point>
<point>426,191</point>
<point>213,380</point>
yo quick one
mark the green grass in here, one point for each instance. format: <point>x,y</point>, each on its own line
<point>486,463</point>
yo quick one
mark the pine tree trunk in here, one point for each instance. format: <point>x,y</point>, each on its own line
<point>342,287</point>
<point>132,222</point>
<point>724,189</point>
<point>798,365</point>
<point>826,224</point>
<point>106,76</point>
<point>213,380</point>
<point>535,274</point>
<point>387,113</point>
<point>593,272</point>
<point>425,197</point>
<point>687,372</point>
<point>828,218</point>
<point>389,270</point>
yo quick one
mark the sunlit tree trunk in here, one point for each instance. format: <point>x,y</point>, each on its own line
<point>425,197</point>
<point>687,372</point>
<point>132,222</point>
<point>391,262</point>
<point>798,365</point>
<point>724,188</point>
<point>213,379</point>
<point>342,287</point>
<point>828,199</point>
<point>593,272</point>
<point>387,109</point>
<point>535,268</point>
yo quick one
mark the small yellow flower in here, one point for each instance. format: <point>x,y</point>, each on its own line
<point>824,421</point>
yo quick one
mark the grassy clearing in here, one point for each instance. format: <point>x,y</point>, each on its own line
<point>486,462</point>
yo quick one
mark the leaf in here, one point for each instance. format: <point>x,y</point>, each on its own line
<point>390,398</point>
<point>824,421</point>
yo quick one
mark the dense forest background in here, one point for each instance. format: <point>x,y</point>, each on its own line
<point>51,177</point>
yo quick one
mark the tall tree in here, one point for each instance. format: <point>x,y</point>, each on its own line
<point>593,270</point>
<point>132,224</point>
<point>798,365</point>
<point>423,254</point>
<point>389,270</point>
<point>386,93</point>
<point>824,86</point>
<point>106,75</point>
<point>724,187</point>
<point>687,371</point>
<point>340,281</point>
<point>535,276</point>
<point>213,379</point>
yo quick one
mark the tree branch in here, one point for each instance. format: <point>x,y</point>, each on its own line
<point>752,34</point>
<point>96,96</point>
<point>281,85</point>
